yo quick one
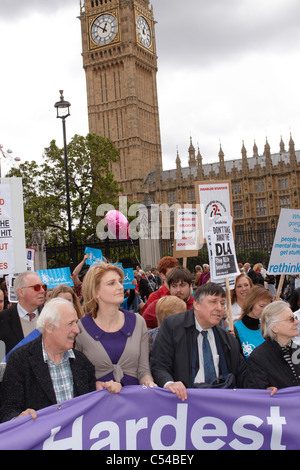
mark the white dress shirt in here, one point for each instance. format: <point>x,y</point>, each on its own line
<point>23,313</point>
<point>211,339</point>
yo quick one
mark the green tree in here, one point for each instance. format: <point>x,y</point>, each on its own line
<point>91,183</point>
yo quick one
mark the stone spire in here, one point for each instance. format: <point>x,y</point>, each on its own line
<point>178,168</point>
<point>192,154</point>
<point>244,159</point>
<point>281,146</point>
<point>222,170</point>
<point>267,154</point>
<point>293,159</point>
<point>200,172</point>
<point>255,150</point>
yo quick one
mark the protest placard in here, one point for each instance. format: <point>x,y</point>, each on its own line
<point>12,231</point>
<point>221,281</point>
<point>215,199</point>
<point>30,256</point>
<point>95,256</point>
<point>54,277</point>
<point>223,258</point>
<point>285,254</point>
<point>128,278</point>
<point>188,232</point>
<point>223,249</point>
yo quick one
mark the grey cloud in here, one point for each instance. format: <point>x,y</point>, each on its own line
<point>205,31</point>
<point>11,10</point>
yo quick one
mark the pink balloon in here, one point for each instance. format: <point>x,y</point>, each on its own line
<point>117,224</point>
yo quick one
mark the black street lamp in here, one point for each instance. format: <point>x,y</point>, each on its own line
<point>63,111</point>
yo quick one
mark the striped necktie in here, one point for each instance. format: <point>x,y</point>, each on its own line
<point>209,368</point>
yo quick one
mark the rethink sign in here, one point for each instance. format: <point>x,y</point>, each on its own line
<point>285,256</point>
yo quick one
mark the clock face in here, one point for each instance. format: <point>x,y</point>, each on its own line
<point>144,31</point>
<point>104,29</point>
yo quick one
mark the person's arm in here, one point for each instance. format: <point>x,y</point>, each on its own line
<point>77,270</point>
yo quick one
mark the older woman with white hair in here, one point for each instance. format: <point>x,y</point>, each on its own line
<point>276,362</point>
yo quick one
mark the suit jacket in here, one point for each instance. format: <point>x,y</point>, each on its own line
<point>171,357</point>
<point>267,367</point>
<point>27,382</point>
<point>10,327</point>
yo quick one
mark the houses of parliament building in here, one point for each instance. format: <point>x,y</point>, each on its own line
<point>120,61</point>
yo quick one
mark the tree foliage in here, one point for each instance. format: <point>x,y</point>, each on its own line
<point>91,183</point>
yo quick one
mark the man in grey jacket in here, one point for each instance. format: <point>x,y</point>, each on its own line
<point>178,361</point>
<point>46,370</point>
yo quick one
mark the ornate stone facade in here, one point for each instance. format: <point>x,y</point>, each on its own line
<point>261,184</point>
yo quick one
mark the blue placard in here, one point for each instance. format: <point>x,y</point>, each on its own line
<point>55,277</point>
<point>128,278</point>
<point>95,256</point>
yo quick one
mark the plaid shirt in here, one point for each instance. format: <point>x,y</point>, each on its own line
<point>61,375</point>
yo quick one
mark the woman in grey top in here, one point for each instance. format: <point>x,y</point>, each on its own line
<point>113,339</point>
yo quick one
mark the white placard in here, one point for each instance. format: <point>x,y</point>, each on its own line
<point>215,200</point>
<point>7,251</point>
<point>12,231</point>
<point>187,232</point>
<point>285,255</point>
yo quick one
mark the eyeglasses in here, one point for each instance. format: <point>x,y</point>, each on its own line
<point>291,319</point>
<point>36,287</point>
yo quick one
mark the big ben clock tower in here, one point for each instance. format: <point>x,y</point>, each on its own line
<point>119,58</point>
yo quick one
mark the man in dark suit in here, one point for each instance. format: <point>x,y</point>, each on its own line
<point>250,272</point>
<point>20,320</point>
<point>178,360</point>
<point>46,370</point>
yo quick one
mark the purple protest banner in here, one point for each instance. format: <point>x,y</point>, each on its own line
<point>142,418</point>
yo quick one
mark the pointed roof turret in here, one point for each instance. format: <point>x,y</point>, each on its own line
<point>255,150</point>
<point>244,158</point>
<point>267,154</point>
<point>178,161</point>
<point>293,159</point>
<point>192,154</point>
<point>281,146</point>
<point>222,170</point>
<point>291,145</point>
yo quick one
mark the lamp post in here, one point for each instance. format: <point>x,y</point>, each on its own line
<point>63,111</point>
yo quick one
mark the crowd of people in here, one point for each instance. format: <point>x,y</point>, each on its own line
<point>171,330</point>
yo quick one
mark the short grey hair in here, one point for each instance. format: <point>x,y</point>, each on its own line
<point>51,313</point>
<point>270,316</point>
<point>21,281</point>
<point>209,288</point>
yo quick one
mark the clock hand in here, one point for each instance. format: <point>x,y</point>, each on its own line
<point>104,30</point>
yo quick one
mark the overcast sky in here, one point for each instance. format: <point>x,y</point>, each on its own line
<point>228,72</point>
